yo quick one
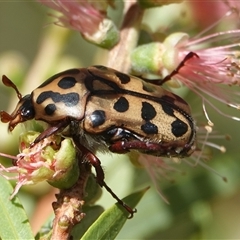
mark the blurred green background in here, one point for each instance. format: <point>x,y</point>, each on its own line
<point>202,205</point>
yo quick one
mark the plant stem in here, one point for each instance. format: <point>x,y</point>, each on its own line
<point>119,56</point>
<point>68,208</point>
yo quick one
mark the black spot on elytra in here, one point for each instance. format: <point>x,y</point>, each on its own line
<point>168,109</point>
<point>121,105</point>
<point>67,82</point>
<point>69,99</point>
<point>148,111</point>
<point>50,109</point>
<point>124,78</point>
<point>97,118</point>
<point>149,128</point>
<point>67,72</point>
<point>179,128</point>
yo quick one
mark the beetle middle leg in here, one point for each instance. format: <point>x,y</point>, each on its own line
<point>96,163</point>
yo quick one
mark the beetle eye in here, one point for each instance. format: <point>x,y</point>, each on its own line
<point>28,113</point>
<point>27,110</point>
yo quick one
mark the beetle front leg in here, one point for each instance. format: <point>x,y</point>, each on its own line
<point>96,163</point>
<point>51,130</point>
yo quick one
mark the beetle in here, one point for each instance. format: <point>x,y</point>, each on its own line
<point>103,109</point>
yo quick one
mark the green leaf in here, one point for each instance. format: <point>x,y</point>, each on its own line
<point>108,225</point>
<point>46,229</point>
<point>14,222</point>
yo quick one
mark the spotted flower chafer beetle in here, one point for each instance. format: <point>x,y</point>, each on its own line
<point>103,109</point>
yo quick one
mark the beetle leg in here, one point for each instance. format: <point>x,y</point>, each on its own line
<point>123,141</point>
<point>158,149</point>
<point>126,146</point>
<point>96,163</point>
<point>182,63</point>
<point>50,131</point>
<point>174,72</point>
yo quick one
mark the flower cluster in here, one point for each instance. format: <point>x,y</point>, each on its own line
<point>52,160</point>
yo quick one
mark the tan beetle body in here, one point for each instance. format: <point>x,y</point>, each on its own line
<point>114,107</point>
<point>101,108</point>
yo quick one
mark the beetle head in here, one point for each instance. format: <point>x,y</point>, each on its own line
<point>24,110</point>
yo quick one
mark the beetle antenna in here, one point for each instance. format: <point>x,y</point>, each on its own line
<point>7,82</point>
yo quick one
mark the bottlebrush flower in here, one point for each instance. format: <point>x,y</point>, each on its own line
<point>88,18</point>
<point>52,160</point>
<point>213,70</point>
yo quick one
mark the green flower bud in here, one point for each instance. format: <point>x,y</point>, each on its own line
<point>26,139</point>
<point>66,166</point>
<point>107,35</point>
<point>159,58</point>
<point>147,58</point>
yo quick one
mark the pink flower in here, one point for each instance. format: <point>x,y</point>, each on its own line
<point>50,160</point>
<point>213,70</point>
<point>78,15</point>
<point>90,19</point>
